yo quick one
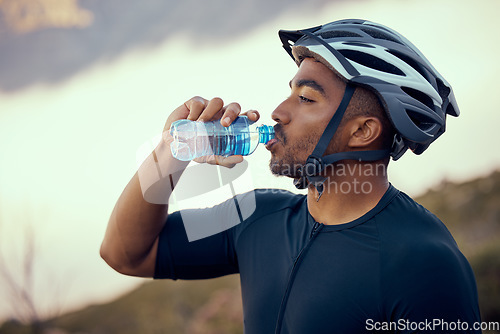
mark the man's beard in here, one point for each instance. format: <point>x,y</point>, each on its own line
<point>287,166</point>
<point>295,155</point>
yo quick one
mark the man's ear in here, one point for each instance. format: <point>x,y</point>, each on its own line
<point>364,132</point>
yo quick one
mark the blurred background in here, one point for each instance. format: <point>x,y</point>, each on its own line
<point>85,85</point>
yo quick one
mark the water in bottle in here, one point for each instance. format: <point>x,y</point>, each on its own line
<point>193,139</point>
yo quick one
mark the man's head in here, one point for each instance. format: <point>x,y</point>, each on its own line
<point>416,98</point>
<point>316,92</point>
<point>395,85</point>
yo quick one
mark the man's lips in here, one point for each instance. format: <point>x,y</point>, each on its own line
<point>271,143</point>
<point>278,136</point>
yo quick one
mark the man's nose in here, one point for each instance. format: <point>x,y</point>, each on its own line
<point>281,114</point>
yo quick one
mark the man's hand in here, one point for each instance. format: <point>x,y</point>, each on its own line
<point>200,109</point>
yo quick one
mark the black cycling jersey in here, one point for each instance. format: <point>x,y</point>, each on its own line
<point>396,266</point>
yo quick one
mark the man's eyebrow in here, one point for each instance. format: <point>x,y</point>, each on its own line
<point>309,83</point>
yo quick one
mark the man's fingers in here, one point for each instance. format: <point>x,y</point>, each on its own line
<point>252,115</point>
<point>228,162</point>
<point>231,112</point>
<point>204,110</point>
<point>195,105</point>
<point>211,109</point>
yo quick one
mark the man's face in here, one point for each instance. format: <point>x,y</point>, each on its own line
<point>316,93</point>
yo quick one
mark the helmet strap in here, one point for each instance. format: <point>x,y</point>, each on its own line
<point>316,163</point>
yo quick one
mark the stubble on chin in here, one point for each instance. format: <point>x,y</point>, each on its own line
<point>292,161</point>
<point>295,155</point>
<point>295,152</point>
<point>285,167</point>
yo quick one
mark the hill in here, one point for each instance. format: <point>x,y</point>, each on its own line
<point>470,210</point>
<point>187,307</point>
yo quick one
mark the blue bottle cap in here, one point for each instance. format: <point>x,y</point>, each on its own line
<point>266,133</point>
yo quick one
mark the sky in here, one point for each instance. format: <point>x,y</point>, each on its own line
<point>68,150</point>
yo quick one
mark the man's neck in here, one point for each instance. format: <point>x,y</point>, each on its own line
<point>350,191</point>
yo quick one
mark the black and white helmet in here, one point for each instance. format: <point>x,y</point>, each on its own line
<point>415,96</point>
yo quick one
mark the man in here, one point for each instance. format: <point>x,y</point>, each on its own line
<point>354,255</point>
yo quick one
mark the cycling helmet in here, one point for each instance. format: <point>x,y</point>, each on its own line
<point>414,95</point>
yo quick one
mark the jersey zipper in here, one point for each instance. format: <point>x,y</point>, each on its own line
<point>317,226</point>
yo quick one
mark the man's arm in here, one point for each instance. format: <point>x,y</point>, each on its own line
<point>131,240</point>
<point>434,286</point>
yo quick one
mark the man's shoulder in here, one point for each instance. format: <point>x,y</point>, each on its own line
<point>404,215</point>
<point>413,235</point>
<point>418,250</point>
<point>405,205</point>
<point>409,229</point>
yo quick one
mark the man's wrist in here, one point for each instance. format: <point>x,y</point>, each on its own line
<point>159,173</point>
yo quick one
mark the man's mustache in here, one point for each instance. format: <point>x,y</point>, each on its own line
<point>279,133</point>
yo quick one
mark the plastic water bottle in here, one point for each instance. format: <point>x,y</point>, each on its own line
<point>193,139</point>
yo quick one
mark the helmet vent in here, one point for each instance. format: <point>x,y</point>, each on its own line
<point>380,35</point>
<point>337,33</point>
<point>419,96</point>
<point>363,45</point>
<point>410,61</point>
<point>371,62</point>
<point>443,90</point>
<point>420,120</point>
